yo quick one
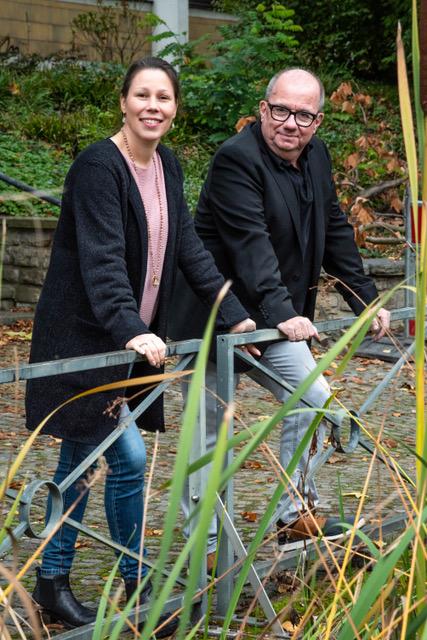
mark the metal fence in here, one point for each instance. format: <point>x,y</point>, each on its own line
<point>231,544</point>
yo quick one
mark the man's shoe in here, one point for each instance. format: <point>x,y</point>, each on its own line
<point>307,527</point>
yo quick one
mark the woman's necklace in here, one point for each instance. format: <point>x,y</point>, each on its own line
<point>155,280</point>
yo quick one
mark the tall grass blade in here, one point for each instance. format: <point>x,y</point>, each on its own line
<point>185,444</point>
<point>419,116</point>
<point>376,581</point>
<point>407,123</point>
<point>265,522</point>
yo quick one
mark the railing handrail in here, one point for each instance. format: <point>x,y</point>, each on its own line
<point>84,363</point>
<point>114,358</point>
<point>37,193</point>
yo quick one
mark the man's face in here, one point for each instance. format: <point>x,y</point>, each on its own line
<point>297,91</point>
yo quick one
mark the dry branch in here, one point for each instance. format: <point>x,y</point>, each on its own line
<point>379,188</point>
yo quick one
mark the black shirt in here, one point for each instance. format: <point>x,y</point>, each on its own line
<point>302,184</point>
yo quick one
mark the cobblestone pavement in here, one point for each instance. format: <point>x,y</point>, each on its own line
<point>393,413</point>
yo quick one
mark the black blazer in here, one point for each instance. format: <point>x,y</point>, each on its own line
<point>247,216</point>
<point>91,296</point>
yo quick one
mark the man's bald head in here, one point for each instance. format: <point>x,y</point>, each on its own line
<point>296,73</point>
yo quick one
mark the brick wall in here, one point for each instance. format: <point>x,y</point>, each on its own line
<point>28,242</point>
<point>43,26</point>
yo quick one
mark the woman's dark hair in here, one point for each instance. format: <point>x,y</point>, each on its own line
<point>151,63</point>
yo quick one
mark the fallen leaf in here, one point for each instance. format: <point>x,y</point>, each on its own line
<point>348,107</point>
<point>393,165</point>
<point>356,380</point>
<point>20,336</point>
<point>353,494</point>
<point>81,544</point>
<point>362,142</point>
<point>352,160</point>
<point>15,485</point>
<point>363,99</point>
<point>153,533</point>
<point>343,91</point>
<point>328,372</point>
<point>333,459</point>
<point>360,212</point>
<point>289,626</point>
<point>252,464</point>
<point>396,204</point>
<point>250,516</point>
<point>390,443</point>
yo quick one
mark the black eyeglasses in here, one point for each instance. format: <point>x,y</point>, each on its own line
<point>281,114</point>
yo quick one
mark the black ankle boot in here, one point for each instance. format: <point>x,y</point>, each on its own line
<point>58,603</point>
<point>143,598</point>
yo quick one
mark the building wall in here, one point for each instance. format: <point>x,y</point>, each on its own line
<point>43,26</point>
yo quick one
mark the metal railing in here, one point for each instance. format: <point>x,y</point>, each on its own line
<point>230,543</point>
<point>186,350</point>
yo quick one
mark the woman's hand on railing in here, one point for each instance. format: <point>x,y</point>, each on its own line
<point>150,346</point>
<point>244,327</point>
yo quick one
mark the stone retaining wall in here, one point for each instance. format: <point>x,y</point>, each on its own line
<point>28,242</point>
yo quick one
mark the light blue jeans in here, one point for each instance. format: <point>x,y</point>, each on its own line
<point>292,361</point>
<point>123,499</point>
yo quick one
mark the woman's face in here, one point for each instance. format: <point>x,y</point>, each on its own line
<point>150,105</point>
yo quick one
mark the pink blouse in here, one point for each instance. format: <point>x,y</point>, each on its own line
<point>156,213</point>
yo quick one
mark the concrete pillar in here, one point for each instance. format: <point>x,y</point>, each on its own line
<point>175,15</point>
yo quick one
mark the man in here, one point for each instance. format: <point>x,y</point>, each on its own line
<point>269,214</point>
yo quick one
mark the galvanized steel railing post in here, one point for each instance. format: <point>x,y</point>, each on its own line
<point>225,392</point>
<point>195,488</point>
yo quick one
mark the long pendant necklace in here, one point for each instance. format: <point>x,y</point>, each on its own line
<point>155,280</point>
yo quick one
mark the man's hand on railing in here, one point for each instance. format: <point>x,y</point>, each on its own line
<point>244,327</point>
<point>150,346</point>
<point>298,328</point>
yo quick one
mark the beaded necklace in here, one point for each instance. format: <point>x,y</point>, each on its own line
<point>155,280</point>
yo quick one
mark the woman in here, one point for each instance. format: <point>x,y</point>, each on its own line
<point>124,229</point>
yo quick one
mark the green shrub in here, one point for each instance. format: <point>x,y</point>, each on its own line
<point>72,131</point>
<point>38,165</point>
<point>229,81</point>
<point>357,38</point>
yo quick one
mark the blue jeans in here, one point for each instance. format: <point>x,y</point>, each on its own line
<point>123,498</point>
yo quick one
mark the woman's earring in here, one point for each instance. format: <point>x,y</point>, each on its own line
<point>124,118</point>
<point>173,125</point>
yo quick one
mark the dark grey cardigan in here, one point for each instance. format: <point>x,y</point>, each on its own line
<point>91,296</point>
